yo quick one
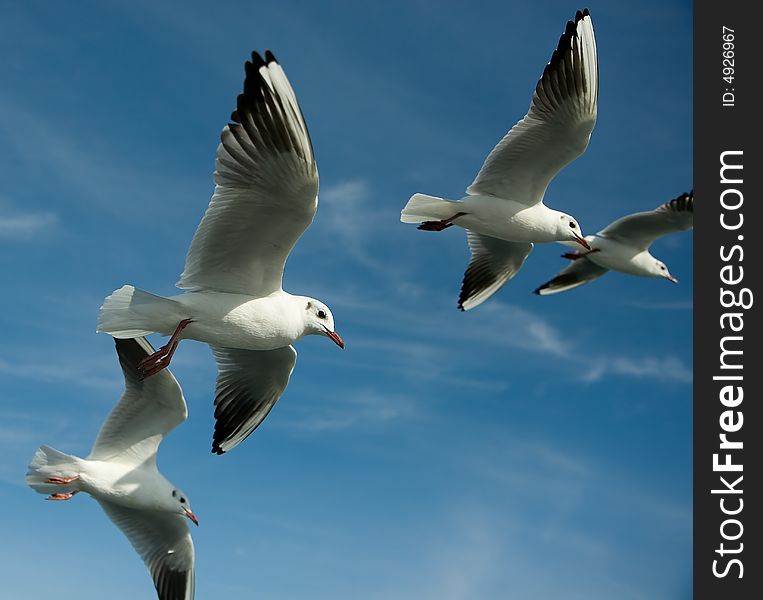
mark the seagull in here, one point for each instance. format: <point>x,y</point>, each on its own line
<point>624,246</point>
<point>503,212</point>
<point>266,195</point>
<point>121,474</point>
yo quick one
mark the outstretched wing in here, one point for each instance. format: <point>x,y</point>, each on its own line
<point>579,272</point>
<point>148,409</point>
<point>641,229</point>
<point>163,541</point>
<point>556,128</point>
<point>249,383</point>
<point>266,186</point>
<point>492,264</point>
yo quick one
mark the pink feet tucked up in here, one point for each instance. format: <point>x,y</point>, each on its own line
<point>160,359</point>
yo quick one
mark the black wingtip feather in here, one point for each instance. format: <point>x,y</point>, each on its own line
<point>217,450</point>
<point>130,353</point>
<point>257,61</point>
<point>261,105</point>
<point>570,31</point>
<point>682,203</point>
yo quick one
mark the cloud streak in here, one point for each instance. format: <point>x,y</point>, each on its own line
<point>667,368</point>
<point>362,408</point>
<point>18,225</point>
<point>348,216</point>
<point>425,337</point>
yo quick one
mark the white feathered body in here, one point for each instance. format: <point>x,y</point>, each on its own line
<point>500,218</point>
<point>617,256</point>
<point>121,483</point>
<point>218,318</point>
<point>238,321</point>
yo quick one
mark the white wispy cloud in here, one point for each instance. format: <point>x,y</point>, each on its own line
<point>678,305</point>
<point>87,163</point>
<point>361,408</point>
<point>82,374</point>
<point>426,336</point>
<point>348,216</point>
<point>15,224</point>
<point>474,551</point>
<point>667,368</point>
<point>529,330</point>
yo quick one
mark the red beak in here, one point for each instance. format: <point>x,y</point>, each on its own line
<point>191,516</point>
<point>583,242</point>
<point>335,337</point>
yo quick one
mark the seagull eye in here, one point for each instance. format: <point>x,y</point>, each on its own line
<point>662,267</point>
<point>321,314</point>
<point>572,224</point>
<point>182,501</point>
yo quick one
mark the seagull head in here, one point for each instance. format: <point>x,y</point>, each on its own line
<point>320,321</point>
<point>182,506</point>
<point>569,230</point>
<point>660,269</point>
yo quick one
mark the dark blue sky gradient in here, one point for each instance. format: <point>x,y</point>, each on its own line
<point>534,448</point>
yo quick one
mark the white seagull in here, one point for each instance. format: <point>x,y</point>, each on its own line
<point>503,211</point>
<point>266,195</point>
<point>624,246</point>
<point>121,474</point>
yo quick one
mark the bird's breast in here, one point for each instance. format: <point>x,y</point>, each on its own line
<point>506,219</point>
<point>237,321</point>
<point>616,256</point>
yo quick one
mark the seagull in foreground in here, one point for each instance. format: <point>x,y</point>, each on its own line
<point>624,246</point>
<point>121,474</point>
<point>266,195</point>
<point>503,212</point>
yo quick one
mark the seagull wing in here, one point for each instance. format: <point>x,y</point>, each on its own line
<point>581,271</point>
<point>266,187</point>
<point>249,383</point>
<point>493,263</point>
<point>163,541</point>
<point>148,409</point>
<point>556,128</point>
<point>641,229</point>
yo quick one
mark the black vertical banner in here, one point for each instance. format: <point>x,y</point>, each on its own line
<point>728,298</point>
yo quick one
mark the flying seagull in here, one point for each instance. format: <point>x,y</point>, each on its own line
<point>121,474</point>
<point>266,195</point>
<point>503,212</point>
<point>624,246</point>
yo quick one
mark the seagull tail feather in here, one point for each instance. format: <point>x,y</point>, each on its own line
<point>421,208</point>
<point>130,312</point>
<point>49,462</point>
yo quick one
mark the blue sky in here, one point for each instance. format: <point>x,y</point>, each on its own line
<point>533,448</point>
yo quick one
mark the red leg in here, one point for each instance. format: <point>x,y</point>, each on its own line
<point>578,255</point>
<point>62,480</point>
<point>440,225</point>
<point>160,363</point>
<point>160,359</point>
<point>61,496</point>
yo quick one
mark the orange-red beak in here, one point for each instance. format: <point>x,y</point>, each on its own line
<point>335,337</point>
<point>191,516</point>
<point>582,242</point>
